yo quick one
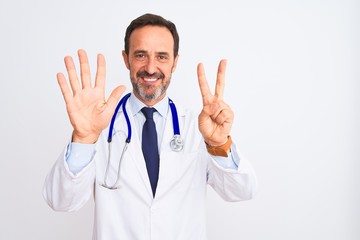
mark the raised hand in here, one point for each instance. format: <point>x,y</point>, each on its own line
<point>88,111</point>
<point>216,117</point>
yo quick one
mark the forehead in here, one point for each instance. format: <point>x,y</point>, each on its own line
<point>151,38</point>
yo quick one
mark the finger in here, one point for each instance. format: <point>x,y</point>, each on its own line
<point>220,80</point>
<point>204,118</point>
<point>225,116</point>
<point>101,72</point>
<point>64,87</point>
<point>73,79</point>
<point>203,84</point>
<point>115,96</point>
<point>216,108</point>
<point>84,69</point>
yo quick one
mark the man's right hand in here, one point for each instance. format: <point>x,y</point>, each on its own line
<point>88,111</point>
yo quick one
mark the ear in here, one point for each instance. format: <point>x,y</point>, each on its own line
<point>126,59</point>
<point>175,63</point>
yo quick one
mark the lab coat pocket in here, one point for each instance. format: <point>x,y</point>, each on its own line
<point>182,171</point>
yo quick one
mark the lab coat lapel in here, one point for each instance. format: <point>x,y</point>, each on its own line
<point>167,156</point>
<point>137,155</point>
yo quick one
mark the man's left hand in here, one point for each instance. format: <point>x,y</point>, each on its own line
<point>216,117</point>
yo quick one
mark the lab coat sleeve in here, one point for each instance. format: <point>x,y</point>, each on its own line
<point>65,191</point>
<point>232,184</point>
<point>230,162</point>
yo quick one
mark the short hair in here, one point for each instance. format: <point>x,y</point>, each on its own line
<point>152,20</point>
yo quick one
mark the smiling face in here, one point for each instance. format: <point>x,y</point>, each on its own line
<point>151,62</point>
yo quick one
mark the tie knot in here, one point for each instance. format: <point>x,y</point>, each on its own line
<point>148,112</point>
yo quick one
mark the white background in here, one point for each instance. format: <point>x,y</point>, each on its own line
<point>292,80</point>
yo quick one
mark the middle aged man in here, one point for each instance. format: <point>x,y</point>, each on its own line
<point>156,191</point>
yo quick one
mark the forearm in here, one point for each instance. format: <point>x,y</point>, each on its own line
<point>232,184</point>
<point>65,191</point>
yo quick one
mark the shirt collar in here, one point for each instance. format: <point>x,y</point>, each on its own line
<point>161,107</point>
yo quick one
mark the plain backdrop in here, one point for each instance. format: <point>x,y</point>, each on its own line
<point>292,80</point>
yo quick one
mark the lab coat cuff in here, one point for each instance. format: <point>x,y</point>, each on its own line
<point>78,156</point>
<point>231,161</point>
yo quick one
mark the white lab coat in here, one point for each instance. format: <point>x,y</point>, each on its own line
<point>131,213</point>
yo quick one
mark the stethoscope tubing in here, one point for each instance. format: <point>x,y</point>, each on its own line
<point>176,143</point>
<point>175,118</point>
<point>123,104</point>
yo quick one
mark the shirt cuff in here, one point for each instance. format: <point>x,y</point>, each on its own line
<point>230,162</point>
<point>78,156</point>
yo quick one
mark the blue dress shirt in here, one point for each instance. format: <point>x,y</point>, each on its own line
<point>79,155</point>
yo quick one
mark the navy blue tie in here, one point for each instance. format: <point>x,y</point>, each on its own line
<point>150,147</point>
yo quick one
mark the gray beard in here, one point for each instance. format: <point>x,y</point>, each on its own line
<point>148,97</point>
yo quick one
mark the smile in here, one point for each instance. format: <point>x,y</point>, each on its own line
<point>148,79</point>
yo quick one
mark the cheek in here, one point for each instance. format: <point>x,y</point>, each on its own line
<point>135,65</point>
<point>167,70</point>
<point>133,70</point>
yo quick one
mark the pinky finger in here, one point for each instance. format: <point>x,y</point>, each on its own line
<point>65,90</point>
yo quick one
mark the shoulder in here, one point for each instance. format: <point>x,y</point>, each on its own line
<point>185,112</point>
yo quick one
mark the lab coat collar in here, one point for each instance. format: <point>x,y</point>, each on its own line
<point>161,107</point>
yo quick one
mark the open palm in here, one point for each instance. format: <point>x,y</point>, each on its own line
<point>88,111</point>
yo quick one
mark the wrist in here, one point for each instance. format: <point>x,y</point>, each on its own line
<point>90,139</point>
<point>222,150</point>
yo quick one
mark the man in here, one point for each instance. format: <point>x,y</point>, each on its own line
<point>152,192</point>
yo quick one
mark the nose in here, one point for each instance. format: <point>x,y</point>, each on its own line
<point>150,66</point>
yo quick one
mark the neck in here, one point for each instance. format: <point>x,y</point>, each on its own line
<point>147,102</point>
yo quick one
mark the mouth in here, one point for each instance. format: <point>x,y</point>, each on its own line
<point>150,79</point>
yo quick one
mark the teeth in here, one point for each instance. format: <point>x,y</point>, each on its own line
<point>150,79</point>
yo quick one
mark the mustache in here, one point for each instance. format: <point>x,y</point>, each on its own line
<point>142,74</point>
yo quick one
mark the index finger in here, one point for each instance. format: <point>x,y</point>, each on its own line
<point>203,84</point>
<point>220,80</point>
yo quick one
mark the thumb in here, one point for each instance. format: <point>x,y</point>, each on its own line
<point>115,96</point>
<point>210,109</point>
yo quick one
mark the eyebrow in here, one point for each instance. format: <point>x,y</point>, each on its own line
<point>139,51</point>
<point>144,51</point>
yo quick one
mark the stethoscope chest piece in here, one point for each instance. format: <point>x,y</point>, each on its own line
<point>176,143</point>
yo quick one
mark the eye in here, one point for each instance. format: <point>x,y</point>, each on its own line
<point>163,57</point>
<point>139,56</point>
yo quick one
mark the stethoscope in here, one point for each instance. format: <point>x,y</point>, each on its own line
<point>176,143</point>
